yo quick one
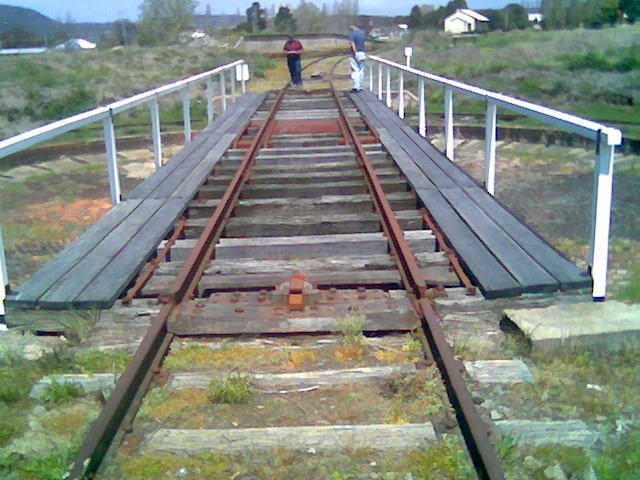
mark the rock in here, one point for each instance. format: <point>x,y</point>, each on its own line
<point>33,352</point>
<point>589,473</point>
<point>554,472</point>
<point>532,463</point>
<point>606,326</point>
<point>495,415</point>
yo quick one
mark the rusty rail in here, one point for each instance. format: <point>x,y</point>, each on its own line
<point>449,252</point>
<point>473,428</point>
<point>140,370</point>
<point>145,276</point>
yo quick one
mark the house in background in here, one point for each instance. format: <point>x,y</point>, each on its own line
<point>464,20</point>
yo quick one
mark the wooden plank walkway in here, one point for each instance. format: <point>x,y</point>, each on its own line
<point>95,270</point>
<point>503,255</point>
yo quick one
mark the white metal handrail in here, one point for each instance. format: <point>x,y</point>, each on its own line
<point>606,138</point>
<point>238,71</point>
<point>106,113</point>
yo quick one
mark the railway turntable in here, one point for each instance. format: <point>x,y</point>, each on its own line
<point>305,214</point>
<point>305,158</point>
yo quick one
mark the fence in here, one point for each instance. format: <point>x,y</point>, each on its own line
<point>238,71</point>
<point>606,139</point>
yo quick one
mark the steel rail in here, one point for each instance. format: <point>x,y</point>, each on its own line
<point>472,426</point>
<point>449,252</point>
<point>392,228</point>
<point>154,346</point>
<point>146,275</point>
<point>196,262</point>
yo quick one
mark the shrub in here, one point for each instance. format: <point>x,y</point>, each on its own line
<point>234,388</point>
<point>59,393</point>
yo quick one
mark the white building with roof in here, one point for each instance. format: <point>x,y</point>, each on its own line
<point>463,20</point>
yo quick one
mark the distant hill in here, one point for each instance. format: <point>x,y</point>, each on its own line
<point>50,31</point>
<point>27,19</point>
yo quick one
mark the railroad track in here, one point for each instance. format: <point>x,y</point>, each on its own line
<point>305,231</point>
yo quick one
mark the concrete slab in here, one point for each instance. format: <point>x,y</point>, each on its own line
<point>605,326</point>
<point>572,433</point>
<point>499,371</point>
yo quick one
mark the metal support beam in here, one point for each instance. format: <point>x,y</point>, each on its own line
<point>156,135</point>
<point>223,92</point>
<point>210,102</point>
<point>112,158</point>
<point>389,87</point>
<point>601,218</point>
<point>422,109</point>
<point>448,122</point>
<point>490,148</point>
<point>400,94</point>
<point>186,114</point>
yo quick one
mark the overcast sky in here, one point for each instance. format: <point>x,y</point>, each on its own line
<point>110,10</point>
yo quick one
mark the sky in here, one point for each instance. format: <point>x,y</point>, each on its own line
<point>110,10</point>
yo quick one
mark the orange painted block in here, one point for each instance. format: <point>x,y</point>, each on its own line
<point>296,301</point>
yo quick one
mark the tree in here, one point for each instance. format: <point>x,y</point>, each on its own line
<point>123,32</point>
<point>415,17</point>
<point>515,16</point>
<point>631,8</point>
<point>161,21</point>
<point>309,18</point>
<point>284,20</point>
<point>19,37</point>
<point>610,11</point>
<point>256,18</point>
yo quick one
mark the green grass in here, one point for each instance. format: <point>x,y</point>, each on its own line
<point>234,388</point>
<point>56,85</point>
<point>60,393</point>
<point>630,291</point>
<point>587,72</point>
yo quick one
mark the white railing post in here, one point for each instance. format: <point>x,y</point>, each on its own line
<point>601,217</point>
<point>112,158</point>
<point>186,114</point>
<point>232,79</point>
<point>422,110</point>
<point>245,74</point>
<point>448,122</point>
<point>380,81</point>
<point>400,94</point>
<point>223,92</point>
<point>389,87</point>
<point>490,148</point>
<point>155,133</point>
<point>3,288</point>
<point>4,276</point>
<point>210,100</point>
<point>370,77</point>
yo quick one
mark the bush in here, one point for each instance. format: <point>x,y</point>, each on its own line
<point>235,388</point>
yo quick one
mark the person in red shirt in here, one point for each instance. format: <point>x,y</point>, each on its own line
<point>293,49</point>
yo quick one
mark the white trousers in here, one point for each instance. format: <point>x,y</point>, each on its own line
<point>357,72</point>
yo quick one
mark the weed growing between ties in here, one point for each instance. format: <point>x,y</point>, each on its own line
<point>224,358</point>
<point>180,407</point>
<point>354,343</point>
<point>236,387</point>
<point>415,396</point>
<point>60,393</point>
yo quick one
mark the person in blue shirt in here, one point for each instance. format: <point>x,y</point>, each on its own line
<point>358,56</point>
